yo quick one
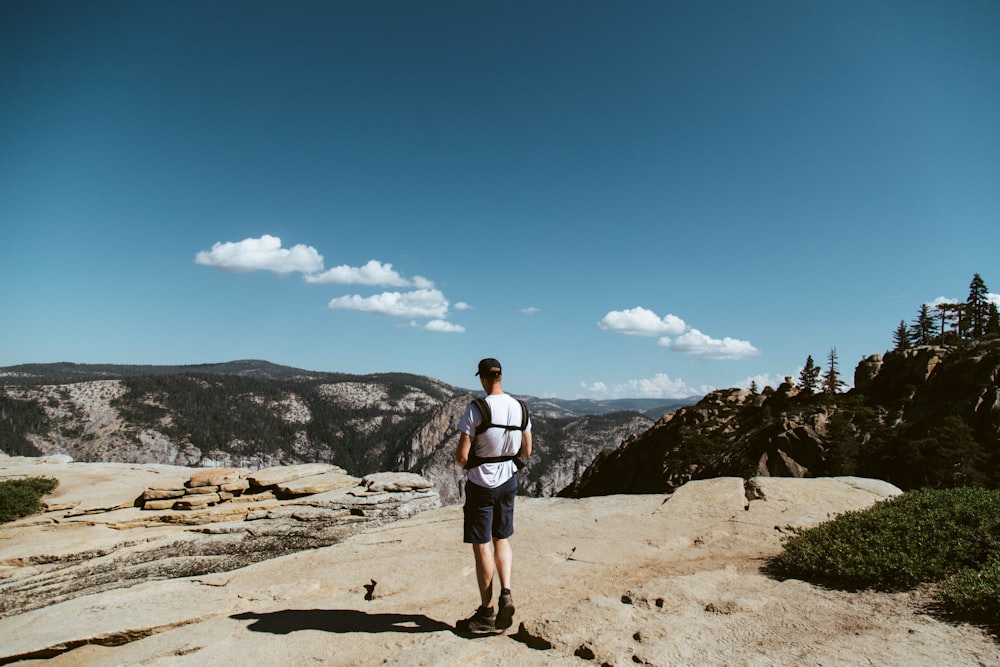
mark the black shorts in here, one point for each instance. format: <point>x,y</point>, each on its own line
<point>489,513</point>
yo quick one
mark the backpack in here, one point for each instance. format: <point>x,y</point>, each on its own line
<point>487,423</point>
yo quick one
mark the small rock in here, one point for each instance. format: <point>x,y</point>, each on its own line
<point>395,482</point>
<point>161,494</point>
<point>279,474</point>
<point>216,476</point>
<point>317,483</point>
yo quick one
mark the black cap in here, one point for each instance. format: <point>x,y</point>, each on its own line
<point>489,367</point>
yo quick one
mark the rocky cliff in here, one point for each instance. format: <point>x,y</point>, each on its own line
<point>254,414</point>
<point>927,416</point>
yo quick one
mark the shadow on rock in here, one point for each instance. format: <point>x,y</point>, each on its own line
<point>339,620</point>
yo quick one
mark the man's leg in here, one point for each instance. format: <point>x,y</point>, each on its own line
<point>485,569</point>
<point>503,555</point>
<point>478,520</point>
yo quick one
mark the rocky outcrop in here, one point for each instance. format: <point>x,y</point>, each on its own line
<point>943,401</point>
<point>866,371</point>
<point>618,580</point>
<point>212,487</point>
<point>202,531</point>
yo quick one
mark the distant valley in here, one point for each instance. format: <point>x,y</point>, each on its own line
<point>253,413</point>
<point>919,416</point>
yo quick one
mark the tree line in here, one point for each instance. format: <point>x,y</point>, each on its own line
<point>976,318</point>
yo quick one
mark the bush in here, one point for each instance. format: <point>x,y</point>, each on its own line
<point>920,536</point>
<point>21,497</point>
<point>974,595</point>
<point>950,536</point>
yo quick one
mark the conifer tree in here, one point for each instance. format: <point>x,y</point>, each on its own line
<point>901,337</point>
<point>809,376</point>
<point>922,331</point>
<point>842,447</point>
<point>831,379</point>
<point>993,321</point>
<point>977,307</point>
<point>950,313</point>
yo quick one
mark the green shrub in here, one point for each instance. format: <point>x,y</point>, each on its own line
<point>920,536</point>
<point>946,536</point>
<point>21,497</point>
<point>974,595</point>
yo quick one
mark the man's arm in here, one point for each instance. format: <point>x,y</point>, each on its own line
<point>525,451</point>
<point>464,447</point>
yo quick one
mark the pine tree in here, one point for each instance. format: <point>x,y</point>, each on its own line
<point>993,321</point>
<point>977,307</point>
<point>831,379</point>
<point>922,331</point>
<point>842,447</point>
<point>950,313</point>
<point>901,337</point>
<point>809,376</point>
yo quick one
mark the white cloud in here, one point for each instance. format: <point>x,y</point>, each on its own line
<point>675,334</point>
<point>444,327</point>
<point>658,386</point>
<point>763,380</point>
<point>263,254</point>
<point>429,303</point>
<point>641,322</point>
<point>994,298</point>
<point>372,273</point>
<point>695,343</point>
<point>266,253</point>
<point>530,310</point>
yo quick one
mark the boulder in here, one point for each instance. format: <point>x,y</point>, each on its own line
<point>196,501</point>
<point>395,482</point>
<point>238,486</point>
<point>160,494</point>
<point>866,371</point>
<point>280,474</point>
<point>321,483</point>
<point>216,476</point>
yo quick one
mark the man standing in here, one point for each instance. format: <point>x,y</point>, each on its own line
<point>487,450</point>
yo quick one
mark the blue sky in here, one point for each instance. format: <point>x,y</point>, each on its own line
<point>613,198</point>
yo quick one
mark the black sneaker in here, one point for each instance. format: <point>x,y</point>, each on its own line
<point>481,621</point>
<point>505,612</point>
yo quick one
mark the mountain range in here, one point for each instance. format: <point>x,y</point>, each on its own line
<point>924,416</point>
<point>253,413</point>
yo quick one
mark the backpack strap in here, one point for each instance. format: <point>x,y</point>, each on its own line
<point>487,417</point>
<point>487,423</point>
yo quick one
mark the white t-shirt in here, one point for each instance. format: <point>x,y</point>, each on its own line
<point>494,441</point>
